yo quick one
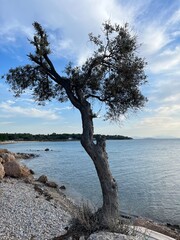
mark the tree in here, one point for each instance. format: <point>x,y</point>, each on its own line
<point>112,75</point>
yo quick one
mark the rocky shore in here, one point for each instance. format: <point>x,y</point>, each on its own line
<point>38,209</point>
<point>10,166</point>
<point>29,209</point>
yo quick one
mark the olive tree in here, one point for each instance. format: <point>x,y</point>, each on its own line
<point>112,75</point>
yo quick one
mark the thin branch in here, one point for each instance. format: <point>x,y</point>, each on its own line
<point>50,64</point>
<point>40,63</point>
<point>97,97</point>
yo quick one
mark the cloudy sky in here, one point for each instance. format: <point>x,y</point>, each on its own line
<point>68,22</point>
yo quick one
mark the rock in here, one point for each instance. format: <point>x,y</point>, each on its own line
<point>2,172</point>
<point>7,157</point>
<point>38,189</point>
<point>12,169</point>
<point>28,180</point>
<point>4,151</point>
<point>51,184</point>
<point>48,198</point>
<point>42,179</point>
<point>25,172</point>
<point>1,160</point>
<point>62,187</point>
<point>82,238</point>
<point>25,155</point>
<point>31,171</point>
<point>47,149</point>
<point>107,236</point>
<point>173,226</point>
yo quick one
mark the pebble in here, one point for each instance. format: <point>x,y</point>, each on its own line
<point>26,215</point>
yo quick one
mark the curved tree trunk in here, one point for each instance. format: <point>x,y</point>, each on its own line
<point>97,152</point>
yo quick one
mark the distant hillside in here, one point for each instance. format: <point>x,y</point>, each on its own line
<point>52,137</point>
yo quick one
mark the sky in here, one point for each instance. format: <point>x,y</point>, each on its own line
<point>68,22</point>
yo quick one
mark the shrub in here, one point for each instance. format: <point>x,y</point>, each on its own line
<point>87,220</point>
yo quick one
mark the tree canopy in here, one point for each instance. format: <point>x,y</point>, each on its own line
<point>112,75</point>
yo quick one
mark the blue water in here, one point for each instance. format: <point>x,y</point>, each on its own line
<point>147,172</point>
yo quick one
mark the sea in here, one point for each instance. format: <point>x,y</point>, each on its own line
<point>147,172</point>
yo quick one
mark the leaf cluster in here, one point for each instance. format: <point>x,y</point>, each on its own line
<point>114,72</point>
<point>112,75</point>
<point>35,79</point>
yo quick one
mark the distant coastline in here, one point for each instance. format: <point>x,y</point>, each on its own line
<point>18,137</point>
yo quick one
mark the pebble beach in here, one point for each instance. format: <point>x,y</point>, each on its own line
<point>27,214</point>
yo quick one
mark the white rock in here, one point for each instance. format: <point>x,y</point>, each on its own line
<point>107,236</point>
<point>2,172</point>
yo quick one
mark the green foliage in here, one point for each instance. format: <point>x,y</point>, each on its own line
<point>112,75</point>
<point>40,42</point>
<point>51,137</point>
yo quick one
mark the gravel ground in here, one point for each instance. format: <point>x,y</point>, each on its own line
<point>27,215</point>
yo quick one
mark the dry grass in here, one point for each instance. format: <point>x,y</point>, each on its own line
<point>87,220</point>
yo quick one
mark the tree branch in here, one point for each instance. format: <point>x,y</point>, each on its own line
<point>51,65</point>
<point>40,63</point>
<point>95,96</point>
<point>65,83</point>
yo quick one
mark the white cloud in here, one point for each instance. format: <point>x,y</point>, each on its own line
<point>10,102</point>
<point>167,61</point>
<point>7,123</point>
<point>154,38</point>
<point>165,90</point>
<point>9,32</point>
<point>172,99</point>
<point>175,17</point>
<point>67,22</point>
<point>152,126</point>
<point>161,124</point>
<point>168,110</point>
<point>159,121</point>
<point>29,112</point>
<point>63,108</point>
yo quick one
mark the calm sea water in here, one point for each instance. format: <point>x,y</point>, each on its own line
<point>147,172</point>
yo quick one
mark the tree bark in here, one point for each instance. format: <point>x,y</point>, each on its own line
<point>97,151</point>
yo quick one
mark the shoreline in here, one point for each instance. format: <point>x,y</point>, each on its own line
<point>57,206</point>
<point>59,197</point>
